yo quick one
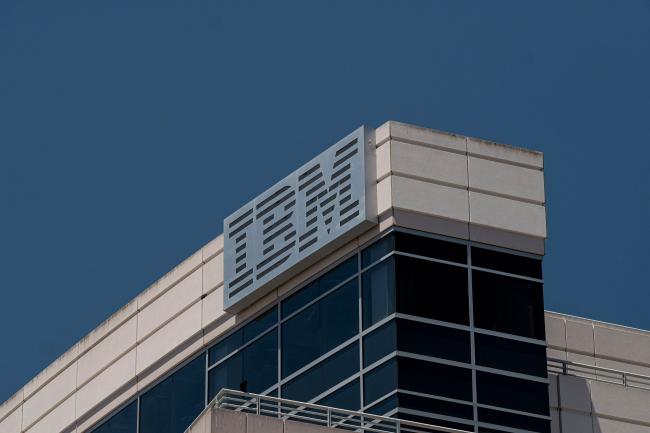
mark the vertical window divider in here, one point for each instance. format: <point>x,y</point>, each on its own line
<point>471,336</point>
<point>360,328</point>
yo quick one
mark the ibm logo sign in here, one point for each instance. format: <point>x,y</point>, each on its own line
<point>311,209</point>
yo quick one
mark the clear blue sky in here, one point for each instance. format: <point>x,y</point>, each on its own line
<point>130,128</point>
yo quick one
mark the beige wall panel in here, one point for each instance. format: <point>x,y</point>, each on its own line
<point>164,365</point>
<point>212,306</point>
<point>212,334</point>
<point>383,160</point>
<point>384,195</point>
<point>108,326</point>
<point>580,337</point>
<point>428,163</point>
<point>623,366</point>
<point>50,395</point>
<point>12,423</point>
<point>503,152</point>
<point>63,362</point>
<point>555,353</point>
<point>553,390</point>
<point>108,381</point>
<point>168,337</point>
<point>182,270</point>
<point>619,344</point>
<point>264,424</point>
<point>11,404</point>
<point>301,427</point>
<point>213,273</point>
<point>555,421</point>
<point>555,331</point>
<point>428,136</point>
<point>60,418</point>
<point>574,393</point>
<point>212,248</point>
<point>620,402</point>
<point>166,306</point>
<point>507,214</point>
<point>430,199</point>
<point>118,342</point>
<point>382,133</point>
<point>604,425</point>
<point>228,421</point>
<point>573,422</point>
<point>106,409</point>
<point>506,179</point>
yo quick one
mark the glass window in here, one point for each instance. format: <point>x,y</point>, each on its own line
<point>507,304</point>
<point>512,355</point>
<point>325,283</point>
<point>435,379</point>
<point>377,250</point>
<point>243,335</point>
<point>513,420</point>
<point>320,328</point>
<point>432,290</point>
<point>380,381</point>
<point>384,406</point>
<point>125,421</point>
<point>512,393</point>
<point>174,403</point>
<point>504,262</point>
<point>379,343</point>
<point>348,397</point>
<point>378,292</point>
<point>435,406</point>
<point>254,369</point>
<point>433,420</point>
<point>429,247</point>
<point>433,340</point>
<point>324,375</point>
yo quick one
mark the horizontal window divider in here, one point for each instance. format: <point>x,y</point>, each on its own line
<point>513,411</point>
<point>244,346</point>
<point>323,357</point>
<point>434,397</point>
<point>379,400</point>
<point>431,236</point>
<point>503,428</point>
<point>507,274</point>
<point>335,388</point>
<point>510,336</point>
<point>379,362</point>
<point>431,259</point>
<point>505,250</point>
<point>434,359</point>
<point>379,324</point>
<point>435,416</point>
<point>433,322</point>
<point>378,261</point>
<point>514,374</point>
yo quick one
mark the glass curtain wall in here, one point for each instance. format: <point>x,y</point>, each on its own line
<point>416,326</point>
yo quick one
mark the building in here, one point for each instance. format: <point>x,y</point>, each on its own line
<point>399,273</point>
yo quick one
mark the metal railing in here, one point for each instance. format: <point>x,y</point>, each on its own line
<point>320,415</point>
<point>602,374</point>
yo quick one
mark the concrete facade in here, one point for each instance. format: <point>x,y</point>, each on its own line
<point>426,180</point>
<point>226,421</point>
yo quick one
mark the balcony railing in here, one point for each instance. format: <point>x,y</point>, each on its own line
<point>602,374</point>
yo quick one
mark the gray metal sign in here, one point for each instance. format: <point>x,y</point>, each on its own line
<point>306,215</point>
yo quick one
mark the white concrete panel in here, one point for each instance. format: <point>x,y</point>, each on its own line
<point>186,292</point>
<point>430,199</point>
<point>108,381</point>
<point>168,337</point>
<point>580,337</point>
<point>212,306</point>
<point>428,163</point>
<point>228,421</point>
<point>574,393</point>
<point>108,326</point>
<point>507,214</point>
<point>553,391</point>
<point>505,179</point>
<point>555,421</point>
<point>54,369</point>
<point>263,424</point>
<point>12,403</point>
<point>212,248</point>
<point>106,351</point>
<point>448,140</point>
<point>621,344</point>
<point>620,402</point>
<point>623,366</point>
<point>384,195</point>
<point>50,395</point>
<point>573,422</point>
<point>555,332</point>
<point>106,409</point>
<point>213,273</point>
<point>164,365</point>
<point>504,152</point>
<point>383,160</point>
<point>60,418</point>
<point>382,133</point>
<point>12,423</point>
<point>604,425</point>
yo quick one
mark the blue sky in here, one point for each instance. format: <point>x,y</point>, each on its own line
<point>130,128</point>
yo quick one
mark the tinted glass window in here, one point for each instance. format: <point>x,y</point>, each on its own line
<point>377,250</point>
<point>509,305</point>
<point>254,369</point>
<point>432,290</point>
<point>433,340</point>
<point>173,404</point>
<point>436,379</point>
<point>320,328</point>
<point>428,247</point>
<point>512,393</point>
<point>504,262</point>
<point>513,420</point>
<point>442,407</point>
<point>378,292</point>
<point>243,336</point>
<point>380,381</point>
<point>327,282</point>
<point>125,421</point>
<point>433,420</point>
<point>512,355</point>
<point>348,397</point>
<point>323,376</point>
<point>384,406</point>
<point>379,343</point>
